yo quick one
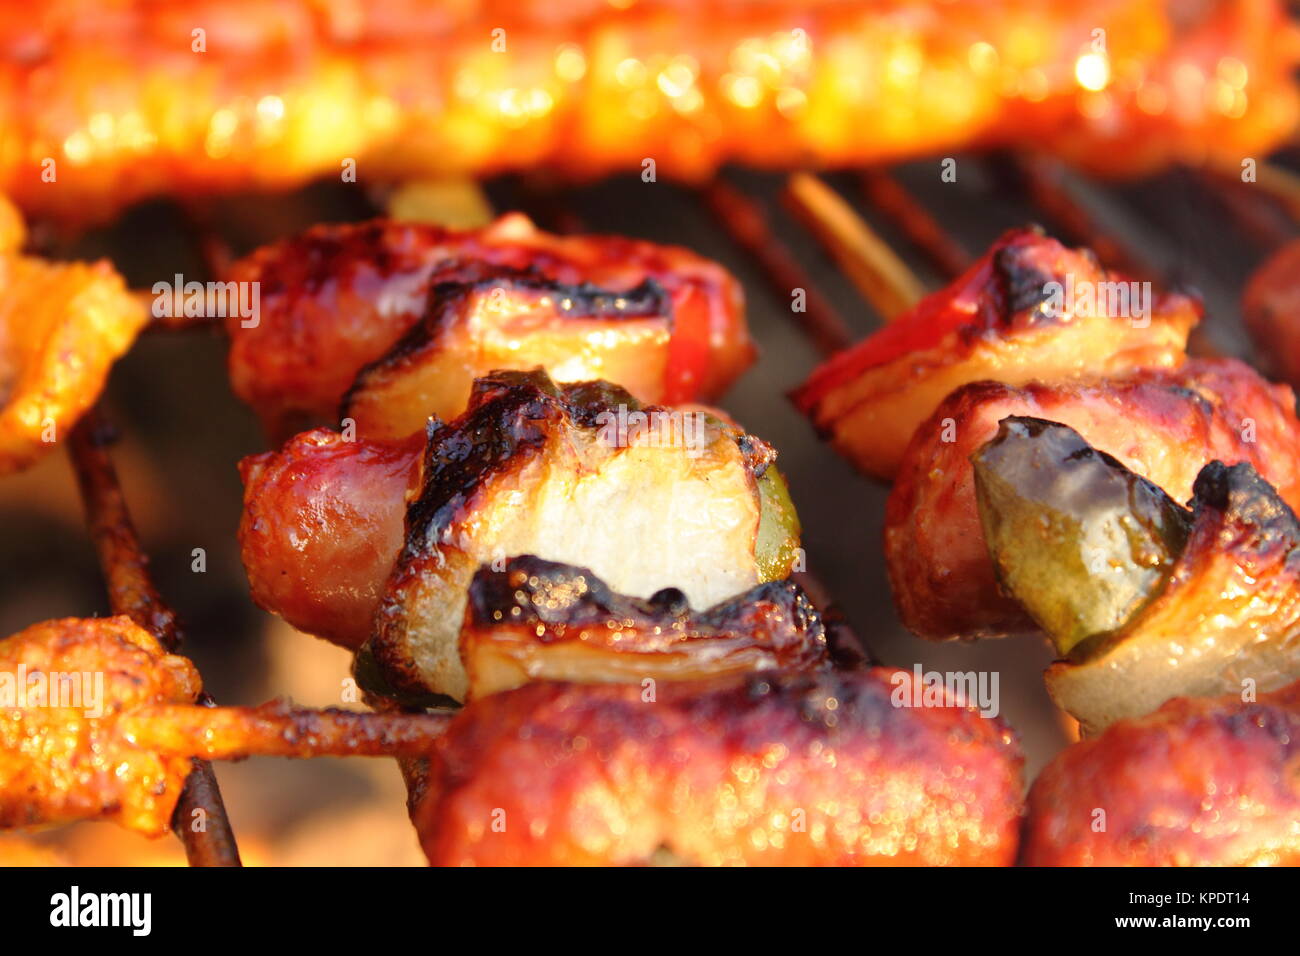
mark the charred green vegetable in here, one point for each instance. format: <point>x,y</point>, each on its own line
<point>1082,542</point>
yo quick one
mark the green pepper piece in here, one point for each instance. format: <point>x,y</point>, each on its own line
<point>777,544</point>
<point>1080,541</point>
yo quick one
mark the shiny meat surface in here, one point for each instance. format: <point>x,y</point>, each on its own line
<point>767,769</point>
<point>337,299</point>
<point>57,763</point>
<point>529,469</point>
<point>131,101</point>
<point>1028,310</point>
<point>98,722</point>
<point>62,326</point>
<point>322,526</point>
<point>1200,782</point>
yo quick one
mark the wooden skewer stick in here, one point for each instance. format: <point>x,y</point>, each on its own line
<point>452,203</point>
<point>881,276</point>
<point>744,221</point>
<point>126,567</point>
<point>131,592</point>
<point>280,730</point>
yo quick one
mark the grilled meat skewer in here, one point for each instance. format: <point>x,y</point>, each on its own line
<point>217,95</point>
<point>566,473</point>
<point>1163,424</point>
<point>1144,600</point>
<point>62,326</point>
<point>1028,310</point>
<point>399,318</point>
<point>772,768</point>
<point>1200,782</point>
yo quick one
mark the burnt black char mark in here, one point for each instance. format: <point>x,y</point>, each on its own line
<point>552,598</point>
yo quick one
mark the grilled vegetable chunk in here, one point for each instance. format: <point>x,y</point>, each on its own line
<point>338,297</point>
<point>539,620</point>
<point>1008,319</point>
<point>1080,540</point>
<point>578,333</point>
<point>1197,783</point>
<point>671,500</point>
<point>1149,602</point>
<point>771,768</point>
<point>1229,613</point>
<point>1164,425</point>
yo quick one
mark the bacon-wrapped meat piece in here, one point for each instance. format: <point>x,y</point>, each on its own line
<point>1270,306</point>
<point>1143,599</point>
<point>322,526</point>
<point>1028,310</point>
<point>1163,424</point>
<point>98,722</point>
<point>681,499</point>
<point>139,99</point>
<point>62,326</point>
<point>771,769</point>
<point>421,311</point>
<point>1200,782</point>
<point>646,497</point>
<point>541,620</point>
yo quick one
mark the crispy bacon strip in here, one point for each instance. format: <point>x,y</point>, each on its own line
<point>770,769</point>
<point>542,620</point>
<point>130,101</point>
<point>1008,319</point>
<point>1164,425</point>
<point>1200,782</point>
<point>62,326</point>
<point>421,311</point>
<point>97,721</point>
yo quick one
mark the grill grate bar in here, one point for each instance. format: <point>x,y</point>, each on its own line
<point>1263,223</point>
<point>886,194</point>
<point>131,592</point>
<point>747,225</point>
<point>1282,185</point>
<point>1042,180</point>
